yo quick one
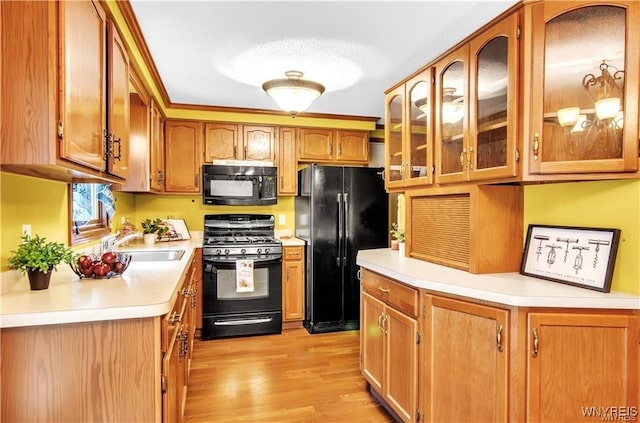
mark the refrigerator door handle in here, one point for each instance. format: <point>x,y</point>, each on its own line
<point>339,255</point>
<point>346,226</point>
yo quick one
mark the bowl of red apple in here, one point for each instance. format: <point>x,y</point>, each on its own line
<point>108,265</point>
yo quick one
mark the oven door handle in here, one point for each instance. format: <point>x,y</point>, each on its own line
<point>242,321</point>
<point>231,264</point>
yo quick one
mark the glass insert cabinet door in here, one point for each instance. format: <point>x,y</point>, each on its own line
<point>419,140</point>
<point>493,104</point>
<point>394,130</point>
<point>452,117</point>
<point>585,88</point>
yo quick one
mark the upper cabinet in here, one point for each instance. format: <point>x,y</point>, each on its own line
<point>333,146</point>
<point>583,99</point>
<point>476,107</point>
<point>287,164</point>
<point>227,141</point>
<point>183,156</point>
<point>409,134</point>
<point>65,101</point>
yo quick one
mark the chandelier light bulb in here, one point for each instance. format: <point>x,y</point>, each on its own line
<point>568,116</point>
<point>607,108</point>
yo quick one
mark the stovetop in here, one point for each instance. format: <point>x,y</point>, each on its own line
<point>240,235</point>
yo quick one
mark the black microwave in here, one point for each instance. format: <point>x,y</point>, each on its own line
<point>239,185</point>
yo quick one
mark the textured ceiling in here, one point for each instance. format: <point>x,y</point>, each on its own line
<point>218,53</point>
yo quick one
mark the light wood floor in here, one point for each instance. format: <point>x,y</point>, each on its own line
<point>293,377</point>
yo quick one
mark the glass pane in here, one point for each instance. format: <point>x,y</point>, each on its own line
<point>491,107</point>
<point>420,109</point>
<point>395,138</point>
<point>584,84</point>
<point>452,110</point>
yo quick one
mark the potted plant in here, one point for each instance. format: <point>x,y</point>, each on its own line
<point>397,233</point>
<point>37,258</point>
<point>152,229</point>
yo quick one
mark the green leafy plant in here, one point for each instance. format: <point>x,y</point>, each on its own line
<point>155,226</point>
<point>397,232</point>
<point>35,253</point>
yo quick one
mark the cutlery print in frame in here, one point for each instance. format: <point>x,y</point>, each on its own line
<point>583,257</point>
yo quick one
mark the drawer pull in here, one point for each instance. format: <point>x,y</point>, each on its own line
<point>383,290</point>
<point>499,339</point>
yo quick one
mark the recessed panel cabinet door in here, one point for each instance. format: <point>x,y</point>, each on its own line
<point>372,341</point>
<point>352,146</point>
<point>220,142</point>
<point>83,102</point>
<point>259,143</point>
<point>118,159</point>
<point>315,144</point>
<point>580,365</point>
<point>468,354</point>
<point>183,156</point>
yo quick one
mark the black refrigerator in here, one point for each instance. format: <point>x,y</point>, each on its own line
<point>339,210</point>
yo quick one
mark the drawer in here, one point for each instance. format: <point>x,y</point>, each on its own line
<point>395,294</point>
<point>293,253</point>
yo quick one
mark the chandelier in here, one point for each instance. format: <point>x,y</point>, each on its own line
<point>293,94</point>
<point>606,101</point>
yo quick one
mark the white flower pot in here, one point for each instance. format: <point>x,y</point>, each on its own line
<point>149,239</point>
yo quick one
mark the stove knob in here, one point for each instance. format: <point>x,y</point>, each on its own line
<point>226,251</point>
<point>266,251</point>
<point>259,250</point>
<point>243,250</point>
<point>218,252</point>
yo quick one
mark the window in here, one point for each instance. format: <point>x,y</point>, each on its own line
<point>91,207</point>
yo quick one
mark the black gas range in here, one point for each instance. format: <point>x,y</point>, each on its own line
<point>242,276</point>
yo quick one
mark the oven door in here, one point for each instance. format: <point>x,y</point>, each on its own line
<point>220,295</point>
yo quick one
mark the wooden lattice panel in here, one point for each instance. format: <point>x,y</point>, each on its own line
<point>440,228</point>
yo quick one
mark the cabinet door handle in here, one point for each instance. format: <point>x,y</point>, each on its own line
<point>340,150</point>
<point>499,339</point>
<point>380,323</point>
<point>235,152</point>
<point>359,274</point>
<point>536,145</point>
<point>464,152</point>
<point>383,290</point>
<point>288,274</point>
<point>245,152</point>
<point>469,158</point>
<point>534,351</point>
<point>384,323</point>
<point>118,156</point>
<point>197,180</point>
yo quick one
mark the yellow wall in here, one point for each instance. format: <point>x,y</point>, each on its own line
<point>192,210</point>
<point>608,204</point>
<point>604,204</point>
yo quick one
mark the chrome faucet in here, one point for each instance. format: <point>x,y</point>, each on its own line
<point>110,242</point>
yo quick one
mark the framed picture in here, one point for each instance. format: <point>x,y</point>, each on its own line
<point>583,257</point>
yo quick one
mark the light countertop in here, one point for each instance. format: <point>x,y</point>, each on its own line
<point>292,242</point>
<point>511,289</point>
<point>146,289</point>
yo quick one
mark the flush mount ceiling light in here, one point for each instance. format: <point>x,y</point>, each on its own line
<point>293,94</point>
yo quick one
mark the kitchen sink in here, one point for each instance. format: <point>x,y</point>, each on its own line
<point>155,255</point>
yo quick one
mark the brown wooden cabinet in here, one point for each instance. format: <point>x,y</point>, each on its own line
<point>466,362</point>
<point>477,228</point>
<point>323,145</point>
<point>476,108</point>
<point>582,97</point>
<point>580,364</point>
<point>293,284</point>
<point>183,156</point>
<point>227,141</point>
<point>287,163</point>
<point>389,339</point>
<point>156,168</point>
<point>64,79</point>
<point>409,133</point>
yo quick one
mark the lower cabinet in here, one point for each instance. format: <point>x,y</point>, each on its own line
<point>484,362</point>
<point>582,367</point>
<point>293,284</point>
<point>467,361</point>
<point>390,337</point>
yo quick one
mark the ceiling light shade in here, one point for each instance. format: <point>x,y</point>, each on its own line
<point>293,94</point>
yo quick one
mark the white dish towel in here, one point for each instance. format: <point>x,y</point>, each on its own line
<point>244,276</point>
